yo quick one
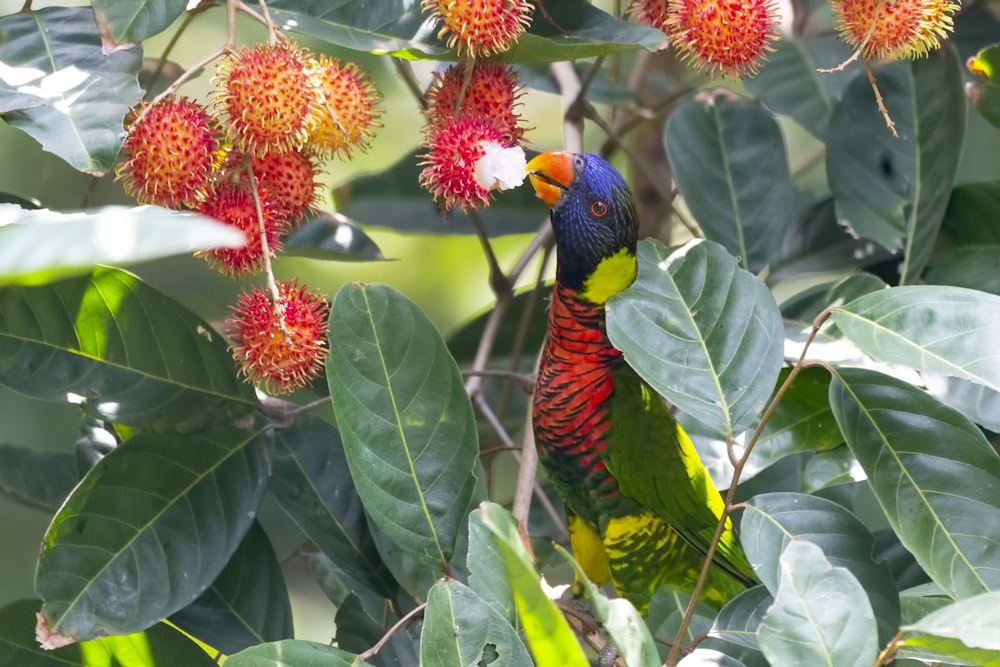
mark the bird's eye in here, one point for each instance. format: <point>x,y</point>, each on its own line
<point>599,209</point>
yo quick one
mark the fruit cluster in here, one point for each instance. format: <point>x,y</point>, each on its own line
<point>251,160</point>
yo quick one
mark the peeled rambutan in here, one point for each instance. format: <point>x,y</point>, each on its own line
<point>267,98</point>
<point>454,149</point>
<point>233,203</point>
<point>169,154</point>
<point>480,27</point>
<point>279,346</point>
<point>729,37</point>
<point>347,111</point>
<point>491,93</point>
<point>894,29</point>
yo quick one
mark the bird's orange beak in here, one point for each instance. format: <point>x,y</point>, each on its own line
<point>551,174</point>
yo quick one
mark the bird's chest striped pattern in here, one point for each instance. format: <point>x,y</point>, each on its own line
<point>572,402</point>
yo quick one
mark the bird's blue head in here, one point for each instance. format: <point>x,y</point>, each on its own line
<point>594,220</point>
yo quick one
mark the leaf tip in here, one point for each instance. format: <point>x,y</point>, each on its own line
<point>47,639</point>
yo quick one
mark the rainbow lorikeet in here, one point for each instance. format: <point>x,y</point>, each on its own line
<point>641,507</point>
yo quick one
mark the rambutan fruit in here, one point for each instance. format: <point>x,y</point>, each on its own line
<point>233,204</point>
<point>729,37</point>
<point>454,149</point>
<point>279,346</point>
<point>267,98</point>
<point>347,111</point>
<point>894,29</point>
<point>480,27</point>
<point>169,154</point>
<point>649,12</point>
<point>491,93</point>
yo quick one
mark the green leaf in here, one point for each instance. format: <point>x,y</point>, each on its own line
<point>565,30</point>
<point>705,657</point>
<point>62,90</point>
<point>149,528</point>
<point>978,403</point>
<point>974,268</point>
<point>933,473</point>
<point>312,483</point>
<point>832,468</point>
<point>41,246</point>
<point>968,629</point>
<point>621,620</point>
<point>985,96</point>
<point>331,236</point>
<point>895,190</point>
<point>39,479</point>
<point>791,84</point>
<point>232,614</point>
<point>549,636</point>
<point>357,631</point>
<point>126,352</point>
<point>986,63</point>
<point>729,162</point>
<point>406,422</point>
<point>705,334</point>
<point>462,629</point>
<point>136,20</point>
<point>948,330</point>
<point>971,210</point>
<point>159,645</point>
<point>820,615</point>
<point>738,621</point>
<point>772,520</point>
<point>18,645</point>
<point>393,198</point>
<point>294,653</point>
<point>487,576</point>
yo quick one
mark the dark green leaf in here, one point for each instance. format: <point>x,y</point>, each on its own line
<point>18,645</point>
<point>247,604</point>
<point>465,341</point>
<point>667,609</point>
<point>978,403</point>
<point>62,90</point>
<point>820,616</point>
<point>357,631</point>
<point>948,330</point>
<point>297,653</point>
<point>126,352</point>
<point>934,474</point>
<point>549,636</point>
<point>895,190</point>
<point>738,621</point>
<point>772,520</point>
<point>463,630</point>
<point>406,422</point>
<point>39,479</point>
<point>621,620</point>
<point>393,198</point>
<point>487,576</point>
<point>312,483</point>
<point>975,268</point>
<point>705,334</point>
<point>564,30</point>
<point>41,246</point>
<point>985,96</point>
<point>791,84</point>
<point>331,236</point>
<point>149,528</point>
<point>136,20</point>
<point>729,161</point>
<point>968,220</point>
<point>826,469</point>
<point>337,585</point>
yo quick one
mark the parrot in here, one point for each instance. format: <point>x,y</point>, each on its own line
<point>641,508</point>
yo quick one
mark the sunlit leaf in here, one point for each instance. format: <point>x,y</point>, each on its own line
<point>968,629</point>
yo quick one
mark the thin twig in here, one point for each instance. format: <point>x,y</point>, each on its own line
<point>499,283</point>
<point>265,249</point>
<point>886,654</point>
<point>525,381</point>
<point>373,651</point>
<point>188,74</point>
<point>731,492</point>
<point>405,71</point>
<point>272,30</point>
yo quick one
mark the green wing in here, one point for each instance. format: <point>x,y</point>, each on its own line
<point>657,466</point>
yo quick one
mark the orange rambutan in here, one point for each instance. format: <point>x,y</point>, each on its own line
<point>233,204</point>
<point>170,153</point>
<point>480,27</point>
<point>347,111</point>
<point>649,12</point>
<point>289,179</point>
<point>267,98</point>
<point>455,147</point>
<point>894,29</point>
<point>279,346</point>
<point>729,37</point>
<point>491,93</point>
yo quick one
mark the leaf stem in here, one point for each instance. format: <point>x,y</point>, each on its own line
<point>731,492</point>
